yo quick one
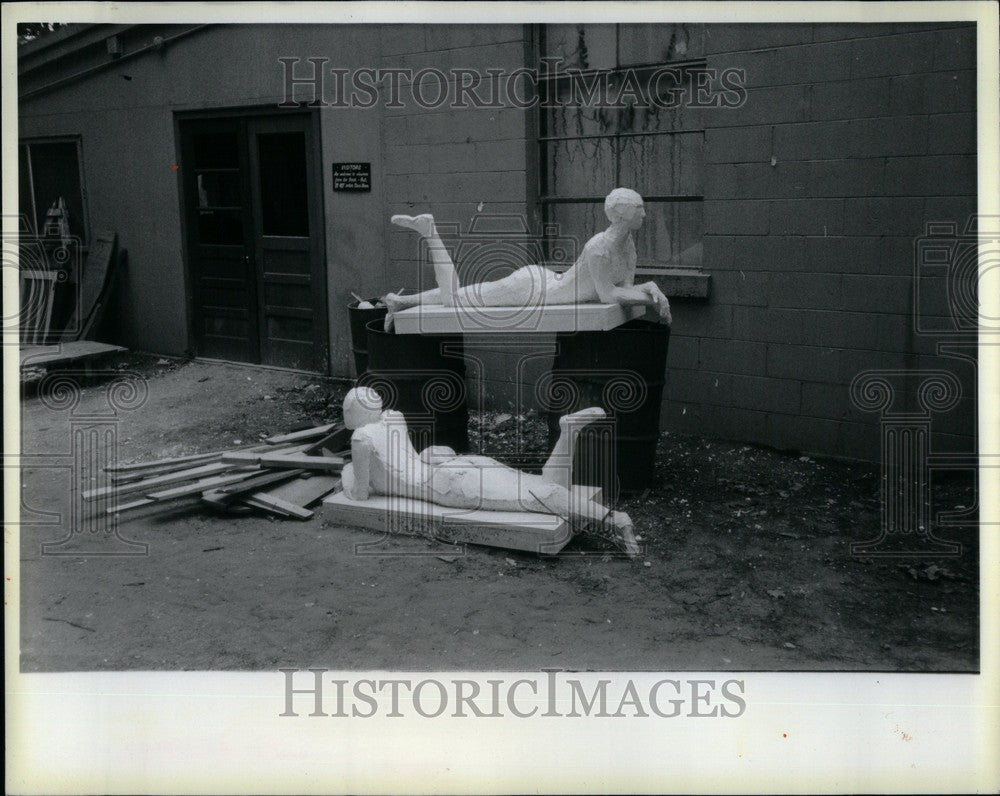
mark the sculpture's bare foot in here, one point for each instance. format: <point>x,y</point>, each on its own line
<point>582,417</point>
<point>423,224</point>
<point>623,525</point>
<point>394,304</point>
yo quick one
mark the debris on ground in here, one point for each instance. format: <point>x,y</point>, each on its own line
<point>928,572</point>
<point>859,614</point>
<point>281,477</point>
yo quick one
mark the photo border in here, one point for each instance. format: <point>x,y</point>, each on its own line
<point>221,732</point>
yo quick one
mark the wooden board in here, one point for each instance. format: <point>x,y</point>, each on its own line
<point>199,486</point>
<point>257,483</point>
<point>142,469</point>
<point>337,440</point>
<point>545,534</point>
<point>93,320</point>
<point>135,504</point>
<point>253,455</point>
<point>262,500</point>
<point>93,283</point>
<point>305,491</point>
<point>37,292</point>
<point>147,484</point>
<point>250,503</point>
<point>124,472</point>
<point>427,319</point>
<point>215,498</point>
<point>291,460</point>
<point>66,353</point>
<point>304,434</point>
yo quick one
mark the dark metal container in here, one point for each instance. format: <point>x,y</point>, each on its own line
<point>622,371</point>
<point>422,376</point>
<point>359,333</point>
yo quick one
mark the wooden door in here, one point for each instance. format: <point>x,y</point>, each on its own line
<point>292,299</point>
<point>256,266</point>
<point>222,283</point>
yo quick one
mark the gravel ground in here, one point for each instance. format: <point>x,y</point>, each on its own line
<point>746,564</point>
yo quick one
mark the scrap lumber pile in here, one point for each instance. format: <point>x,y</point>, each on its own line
<point>89,293</point>
<point>281,477</point>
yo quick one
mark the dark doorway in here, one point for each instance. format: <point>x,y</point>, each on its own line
<point>254,239</point>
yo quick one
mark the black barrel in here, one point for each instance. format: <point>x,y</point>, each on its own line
<point>622,371</point>
<point>359,333</point>
<point>422,376</point>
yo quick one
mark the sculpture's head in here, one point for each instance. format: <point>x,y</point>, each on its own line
<point>362,406</point>
<point>624,206</point>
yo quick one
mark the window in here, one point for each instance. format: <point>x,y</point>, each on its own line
<point>589,143</point>
<point>283,189</point>
<point>215,161</point>
<point>50,172</point>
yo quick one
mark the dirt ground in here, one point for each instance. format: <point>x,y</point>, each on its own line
<point>747,563</point>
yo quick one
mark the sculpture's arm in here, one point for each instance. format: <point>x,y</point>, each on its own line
<point>599,266</point>
<point>647,294</point>
<point>361,450</point>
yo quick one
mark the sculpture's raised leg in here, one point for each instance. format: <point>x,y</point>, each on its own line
<point>559,470</point>
<point>444,269</point>
<point>559,467</point>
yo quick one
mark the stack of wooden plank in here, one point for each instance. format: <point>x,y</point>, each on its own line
<point>44,348</point>
<point>282,477</point>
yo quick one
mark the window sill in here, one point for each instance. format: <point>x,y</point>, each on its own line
<point>677,282</point>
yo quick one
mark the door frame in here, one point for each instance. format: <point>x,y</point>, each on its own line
<point>317,221</point>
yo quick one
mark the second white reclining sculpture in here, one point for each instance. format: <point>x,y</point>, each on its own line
<point>385,463</point>
<point>604,273</point>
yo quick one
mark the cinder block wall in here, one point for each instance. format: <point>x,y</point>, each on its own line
<point>816,189</point>
<point>851,139</point>
<point>461,165</point>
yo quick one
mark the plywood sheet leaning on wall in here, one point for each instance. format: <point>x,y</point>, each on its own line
<point>93,285</point>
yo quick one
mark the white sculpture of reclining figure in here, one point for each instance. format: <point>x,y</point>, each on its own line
<point>384,462</point>
<point>605,270</point>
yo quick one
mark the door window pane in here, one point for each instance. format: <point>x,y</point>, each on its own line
<point>218,189</point>
<point>283,197</point>
<point>216,150</point>
<point>220,227</point>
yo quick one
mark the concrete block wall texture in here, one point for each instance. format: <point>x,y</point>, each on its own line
<point>852,138</point>
<point>126,129</point>
<point>464,166</point>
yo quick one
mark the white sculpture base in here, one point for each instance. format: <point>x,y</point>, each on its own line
<point>514,530</point>
<point>436,319</point>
